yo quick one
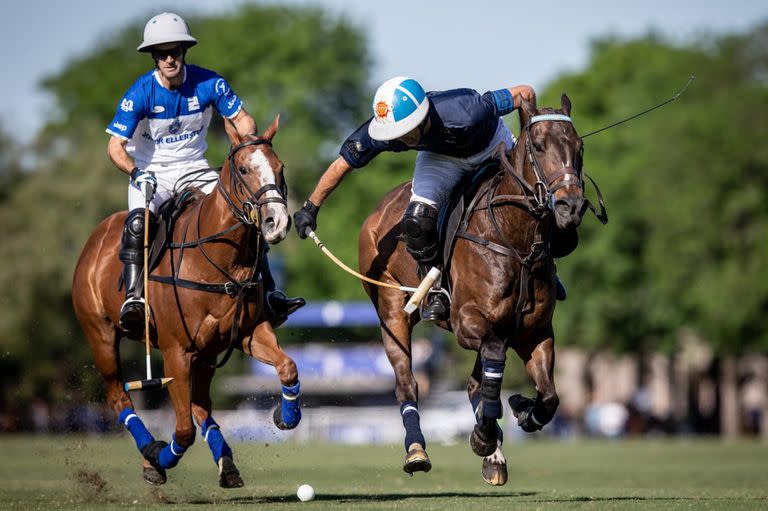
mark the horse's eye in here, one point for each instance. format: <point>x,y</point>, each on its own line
<point>538,146</point>
<point>243,170</point>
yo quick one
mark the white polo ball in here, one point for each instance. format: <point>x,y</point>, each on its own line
<point>305,493</point>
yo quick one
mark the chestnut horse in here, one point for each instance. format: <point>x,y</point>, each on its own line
<point>502,277</point>
<point>220,237</point>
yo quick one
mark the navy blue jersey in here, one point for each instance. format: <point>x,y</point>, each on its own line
<point>462,123</point>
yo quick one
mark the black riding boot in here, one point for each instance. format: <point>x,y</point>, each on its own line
<point>132,256</point>
<point>419,226</point>
<point>277,305</point>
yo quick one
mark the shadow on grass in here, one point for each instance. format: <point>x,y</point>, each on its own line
<point>360,498</point>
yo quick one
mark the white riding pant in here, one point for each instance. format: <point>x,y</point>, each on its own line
<point>436,175</point>
<point>167,177</point>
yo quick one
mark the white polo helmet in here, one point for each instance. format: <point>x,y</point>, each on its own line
<point>399,105</point>
<point>166,27</point>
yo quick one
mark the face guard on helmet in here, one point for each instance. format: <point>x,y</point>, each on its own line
<point>399,105</point>
<point>165,28</point>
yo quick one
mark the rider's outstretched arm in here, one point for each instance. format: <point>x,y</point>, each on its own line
<point>330,180</point>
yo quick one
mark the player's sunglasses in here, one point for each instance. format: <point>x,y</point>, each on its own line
<point>174,52</point>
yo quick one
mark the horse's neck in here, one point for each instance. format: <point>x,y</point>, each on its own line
<point>233,250</point>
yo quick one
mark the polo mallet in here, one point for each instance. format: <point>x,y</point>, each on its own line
<point>418,292</point>
<point>149,383</point>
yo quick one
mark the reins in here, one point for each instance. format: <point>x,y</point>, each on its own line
<point>248,215</point>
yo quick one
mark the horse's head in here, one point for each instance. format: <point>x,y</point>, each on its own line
<point>257,191</point>
<point>554,151</point>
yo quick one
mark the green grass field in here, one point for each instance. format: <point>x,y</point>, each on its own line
<point>76,472</point>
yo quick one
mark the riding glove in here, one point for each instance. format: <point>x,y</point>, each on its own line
<point>145,181</point>
<point>306,218</point>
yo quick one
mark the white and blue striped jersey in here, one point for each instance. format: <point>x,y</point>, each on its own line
<point>169,126</point>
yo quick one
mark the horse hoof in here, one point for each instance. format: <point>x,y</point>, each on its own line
<point>494,469</point>
<point>483,444</point>
<point>229,476</point>
<point>277,417</point>
<point>151,452</point>
<point>522,408</point>
<point>417,460</point>
<point>153,476</point>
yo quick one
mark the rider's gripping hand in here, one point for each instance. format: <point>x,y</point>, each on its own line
<point>145,181</point>
<point>306,218</point>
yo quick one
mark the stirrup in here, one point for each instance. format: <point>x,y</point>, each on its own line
<point>132,307</point>
<point>428,313</point>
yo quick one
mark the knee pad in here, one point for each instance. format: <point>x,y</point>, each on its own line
<point>419,226</point>
<point>132,243</point>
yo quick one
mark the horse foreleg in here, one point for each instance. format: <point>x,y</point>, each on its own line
<point>201,376</point>
<point>396,334</point>
<point>476,333</point>
<point>532,415</point>
<point>494,468</point>
<point>162,455</point>
<point>262,345</point>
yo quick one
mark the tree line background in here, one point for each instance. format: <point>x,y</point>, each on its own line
<point>685,248</point>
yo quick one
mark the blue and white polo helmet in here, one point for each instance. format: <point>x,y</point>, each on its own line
<point>399,105</point>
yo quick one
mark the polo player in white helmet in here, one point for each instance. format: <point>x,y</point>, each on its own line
<point>159,137</point>
<point>454,131</point>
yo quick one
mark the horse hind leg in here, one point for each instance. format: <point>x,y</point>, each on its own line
<point>494,467</point>
<point>202,374</point>
<point>532,415</point>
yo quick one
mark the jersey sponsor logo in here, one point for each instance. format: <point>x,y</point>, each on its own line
<point>221,86</point>
<point>157,109</point>
<point>126,105</point>
<point>121,127</point>
<point>232,101</point>
<point>174,127</point>
<point>193,103</point>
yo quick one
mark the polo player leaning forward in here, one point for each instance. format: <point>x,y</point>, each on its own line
<point>454,132</point>
<point>159,138</point>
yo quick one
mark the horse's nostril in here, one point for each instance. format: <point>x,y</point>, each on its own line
<point>564,207</point>
<point>269,223</point>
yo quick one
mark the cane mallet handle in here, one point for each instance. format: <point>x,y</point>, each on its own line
<point>146,284</point>
<point>421,291</point>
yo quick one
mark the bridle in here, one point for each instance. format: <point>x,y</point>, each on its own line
<point>545,187</point>
<point>540,198</point>
<point>244,203</point>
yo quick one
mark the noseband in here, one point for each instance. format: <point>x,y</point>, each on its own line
<point>544,189</point>
<point>242,201</point>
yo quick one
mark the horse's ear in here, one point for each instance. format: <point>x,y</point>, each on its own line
<point>527,110</point>
<point>270,132</point>
<point>565,104</point>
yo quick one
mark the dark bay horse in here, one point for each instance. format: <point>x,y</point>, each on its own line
<point>502,277</point>
<point>218,240</point>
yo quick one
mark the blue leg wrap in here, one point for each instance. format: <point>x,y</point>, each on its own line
<point>490,388</point>
<point>136,428</point>
<point>211,433</point>
<point>475,401</point>
<point>290,406</point>
<point>171,454</point>
<point>410,412</point>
